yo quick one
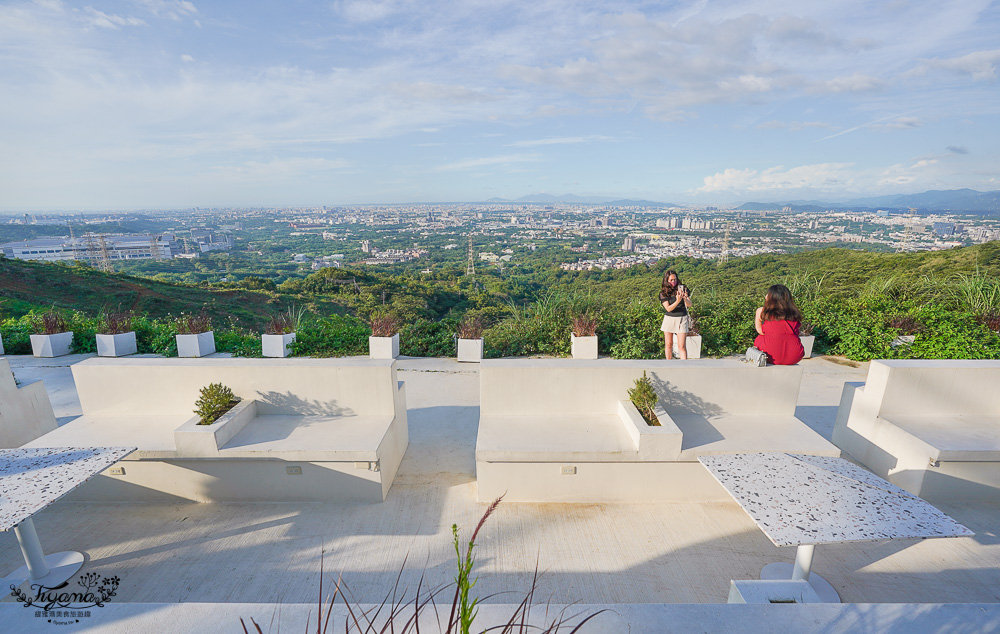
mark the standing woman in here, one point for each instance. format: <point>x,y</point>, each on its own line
<point>675,299</point>
<point>777,323</point>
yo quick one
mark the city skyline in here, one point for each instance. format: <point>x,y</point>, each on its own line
<point>172,104</point>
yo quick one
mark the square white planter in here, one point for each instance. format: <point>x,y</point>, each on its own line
<point>205,441</point>
<point>120,345</point>
<point>807,345</point>
<point>197,345</point>
<point>383,347</point>
<point>51,345</point>
<point>1,344</point>
<point>277,346</point>
<point>470,350</point>
<point>584,347</point>
<point>692,344</point>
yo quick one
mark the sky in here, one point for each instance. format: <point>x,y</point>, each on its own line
<point>142,104</point>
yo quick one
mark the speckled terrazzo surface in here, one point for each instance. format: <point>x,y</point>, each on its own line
<point>815,500</point>
<point>31,479</point>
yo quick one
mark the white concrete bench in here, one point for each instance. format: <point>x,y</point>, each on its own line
<point>931,427</point>
<point>307,429</point>
<point>25,410</point>
<point>563,430</point>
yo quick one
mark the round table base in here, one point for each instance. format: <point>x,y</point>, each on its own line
<point>62,567</point>
<point>783,571</point>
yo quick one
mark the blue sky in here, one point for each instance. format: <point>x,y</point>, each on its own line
<point>171,103</point>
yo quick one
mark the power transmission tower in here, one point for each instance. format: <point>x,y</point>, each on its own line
<point>154,247</point>
<point>92,254</point>
<point>105,261</point>
<point>724,255</point>
<point>470,268</point>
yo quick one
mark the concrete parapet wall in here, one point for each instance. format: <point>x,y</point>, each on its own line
<point>333,387</point>
<point>698,386</point>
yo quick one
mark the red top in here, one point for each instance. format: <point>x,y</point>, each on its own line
<point>781,341</point>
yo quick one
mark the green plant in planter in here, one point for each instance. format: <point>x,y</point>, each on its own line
<point>51,323</point>
<point>644,397</point>
<point>216,399</point>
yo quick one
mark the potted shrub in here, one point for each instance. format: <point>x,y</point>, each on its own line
<point>194,336</point>
<point>584,336</point>
<point>692,342</point>
<point>644,397</point>
<point>470,340</point>
<point>907,329</point>
<point>116,337</point>
<point>52,340</point>
<point>807,338</point>
<point>215,400</point>
<point>384,340</point>
<point>279,333</point>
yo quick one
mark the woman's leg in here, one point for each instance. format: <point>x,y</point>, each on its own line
<point>682,345</point>
<point>668,344</point>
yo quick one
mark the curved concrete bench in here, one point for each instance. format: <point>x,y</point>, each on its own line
<point>931,427</point>
<point>25,411</point>
<point>307,429</point>
<point>562,429</point>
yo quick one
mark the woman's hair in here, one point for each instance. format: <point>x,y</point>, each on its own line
<point>666,290</point>
<point>779,305</point>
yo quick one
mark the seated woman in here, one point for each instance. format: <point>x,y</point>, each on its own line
<point>777,323</point>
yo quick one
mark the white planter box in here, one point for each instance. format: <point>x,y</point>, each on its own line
<point>120,345</point>
<point>383,347</point>
<point>276,345</point>
<point>203,441</point>
<point>51,345</point>
<point>197,345</point>
<point>903,340</point>
<point>807,345</point>
<point>1,344</point>
<point>584,347</point>
<point>470,350</point>
<point>692,344</point>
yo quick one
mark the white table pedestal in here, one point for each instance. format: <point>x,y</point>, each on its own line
<point>49,571</point>
<point>801,569</point>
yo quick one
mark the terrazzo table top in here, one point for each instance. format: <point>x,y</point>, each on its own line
<point>31,479</point>
<point>797,500</point>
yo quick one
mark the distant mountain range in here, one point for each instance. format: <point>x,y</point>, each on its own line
<point>952,200</point>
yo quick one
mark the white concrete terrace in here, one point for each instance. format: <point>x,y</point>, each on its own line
<point>625,554</point>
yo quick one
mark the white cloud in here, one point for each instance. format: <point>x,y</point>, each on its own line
<point>857,82</point>
<point>365,10</point>
<point>187,58</point>
<point>558,141</point>
<point>508,159</point>
<point>980,65</point>
<point>108,21</point>
<point>794,126</point>
<point>819,177</point>
<point>171,9</point>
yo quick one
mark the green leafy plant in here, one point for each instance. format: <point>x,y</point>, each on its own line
<point>644,397</point>
<point>285,323</point>
<point>215,400</point>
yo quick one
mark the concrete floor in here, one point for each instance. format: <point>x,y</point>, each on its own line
<point>589,553</point>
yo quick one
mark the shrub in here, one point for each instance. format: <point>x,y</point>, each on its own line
<point>51,323</point>
<point>384,325</point>
<point>116,322</point>
<point>333,336</point>
<point>471,327</point>
<point>193,324</point>
<point>424,338</point>
<point>285,323</point>
<point>584,325</point>
<point>644,397</point>
<point>216,399</point>
<point>905,324</point>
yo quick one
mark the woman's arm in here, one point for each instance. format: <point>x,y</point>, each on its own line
<point>687,297</point>
<point>757,322</point>
<point>672,307</point>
